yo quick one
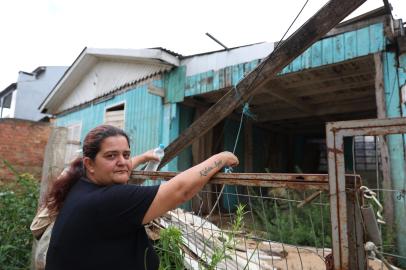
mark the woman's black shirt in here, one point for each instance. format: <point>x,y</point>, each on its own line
<point>99,227</point>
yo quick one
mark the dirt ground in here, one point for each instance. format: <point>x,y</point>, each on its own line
<point>298,258</point>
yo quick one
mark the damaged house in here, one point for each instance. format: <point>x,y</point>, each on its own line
<point>356,71</point>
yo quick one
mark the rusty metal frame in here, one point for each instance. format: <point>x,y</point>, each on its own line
<point>335,132</point>
<point>273,180</point>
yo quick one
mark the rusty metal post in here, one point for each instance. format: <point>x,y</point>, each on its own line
<point>338,202</point>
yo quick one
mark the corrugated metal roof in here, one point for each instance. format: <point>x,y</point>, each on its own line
<point>90,76</point>
<point>220,59</point>
<point>106,77</point>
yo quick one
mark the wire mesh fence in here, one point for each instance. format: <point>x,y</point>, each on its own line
<point>282,222</point>
<point>254,227</point>
<point>387,203</point>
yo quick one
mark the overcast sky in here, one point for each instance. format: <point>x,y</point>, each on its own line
<point>54,32</point>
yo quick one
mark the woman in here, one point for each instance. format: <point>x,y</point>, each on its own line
<point>100,220</point>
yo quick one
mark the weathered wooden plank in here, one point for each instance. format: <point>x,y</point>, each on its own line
<point>336,72</point>
<point>293,101</point>
<point>235,78</point>
<point>316,54</point>
<point>175,85</point>
<point>338,48</point>
<point>358,258</point>
<point>362,46</point>
<point>377,39</point>
<point>327,54</point>
<point>382,142</point>
<point>294,181</point>
<point>337,85</point>
<point>307,58</point>
<point>350,45</point>
<point>296,64</point>
<point>315,28</point>
<point>322,110</point>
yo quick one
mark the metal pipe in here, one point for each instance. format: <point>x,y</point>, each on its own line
<point>221,44</point>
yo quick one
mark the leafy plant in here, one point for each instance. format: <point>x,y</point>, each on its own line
<point>219,253</point>
<point>280,220</point>
<point>18,203</point>
<point>169,249</point>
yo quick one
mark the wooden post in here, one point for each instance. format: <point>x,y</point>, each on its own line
<point>358,258</point>
<point>54,160</point>
<point>315,28</point>
<point>382,141</point>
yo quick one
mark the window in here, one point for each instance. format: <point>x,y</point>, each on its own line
<point>115,116</point>
<point>365,153</point>
<point>5,104</point>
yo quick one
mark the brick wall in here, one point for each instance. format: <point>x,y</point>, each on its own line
<point>22,144</point>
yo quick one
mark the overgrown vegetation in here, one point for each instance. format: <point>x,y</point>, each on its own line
<point>171,255</point>
<point>279,219</point>
<point>18,203</point>
<point>219,253</point>
<point>169,249</point>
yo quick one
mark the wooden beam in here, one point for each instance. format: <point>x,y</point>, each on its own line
<point>293,101</point>
<point>294,181</point>
<point>157,91</point>
<point>316,93</point>
<point>314,29</point>
<point>321,110</point>
<point>298,181</point>
<point>320,75</point>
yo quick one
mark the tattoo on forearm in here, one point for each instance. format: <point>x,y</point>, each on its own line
<point>206,170</point>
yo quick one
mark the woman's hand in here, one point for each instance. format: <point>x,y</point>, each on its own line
<point>143,158</point>
<point>229,159</point>
<point>149,155</point>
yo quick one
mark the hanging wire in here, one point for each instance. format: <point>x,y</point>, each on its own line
<point>278,44</point>
<point>246,111</point>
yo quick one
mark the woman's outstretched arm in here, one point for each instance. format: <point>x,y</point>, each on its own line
<point>185,185</point>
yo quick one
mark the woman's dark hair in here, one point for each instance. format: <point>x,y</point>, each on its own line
<point>91,146</point>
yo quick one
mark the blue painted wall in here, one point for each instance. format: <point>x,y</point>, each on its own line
<point>331,50</point>
<point>396,144</point>
<point>143,117</point>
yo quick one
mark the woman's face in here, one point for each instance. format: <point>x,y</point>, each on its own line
<point>112,164</point>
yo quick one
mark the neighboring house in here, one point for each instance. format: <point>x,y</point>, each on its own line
<point>21,99</point>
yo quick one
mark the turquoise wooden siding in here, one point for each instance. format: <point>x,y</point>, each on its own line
<point>215,80</point>
<point>170,126</point>
<point>335,49</point>
<point>396,145</point>
<point>174,83</point>
<point>143,118</point>
<point>342,47</point>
